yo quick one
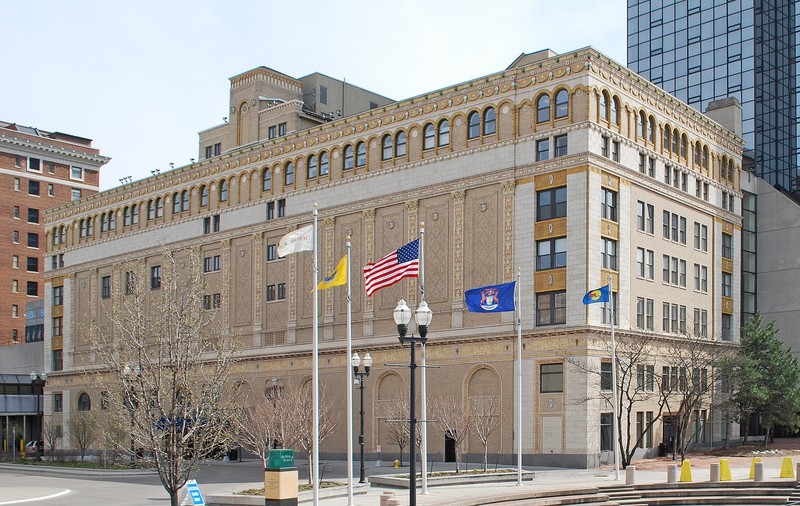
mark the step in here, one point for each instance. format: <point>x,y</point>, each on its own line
<point>725,500</point>
<point>564,500</point>
<point>703,492</point>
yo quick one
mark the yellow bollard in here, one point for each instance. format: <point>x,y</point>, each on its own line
<point>724,470</point>
<point>753,467</point>
<point>686,471</point>
<point>787,468</point>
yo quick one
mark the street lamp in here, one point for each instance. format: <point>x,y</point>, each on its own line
<point>402,316</point>
<point>129,376</point>
<point>38,380</point>
<point>355,361</point>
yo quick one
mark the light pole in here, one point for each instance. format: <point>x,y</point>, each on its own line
<point>38,380</point>
<point>402,316</point>
<point>129,376</point>
<point>355,361</point>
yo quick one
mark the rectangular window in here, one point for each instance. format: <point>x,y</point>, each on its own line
<point>33,214</point>
<point>76,194</point>
<point>683,273</point>
<point>640,313</point>
<point>216,300</point>
<point>281,129</point>
<point>551,253</point>
<point>32,289</point>
<point>15,286</point>
<point>606,432</point>
<point>155,277</point>
<point>727,246</point>
<point>281,291</point>
<point>106,287</point>
<point>34,164</point>
<point>551,308</point>
<point>615,151</point>
<point>58,326</point>
<point>608,203</point>
<point>217,149</point>
<point>15,261</point>
<point>640,262</point>
<point>542,150</point>
<point>551,378</point>
<point>640,207</point>
<point>281,208</point>
<point>14,311</point>
<point>271,292</point>
<point>561,145</point>
<point>50,190</point>
<point>16,212</point>
<point>270,210</point>
<point>665,229</point>
<point>682,319</point>
<point>33,264</point>
<point>649,218</point>
<point>16,184</point>
<point>651,171</point>
<point>727,284</point>
<point>665,270</point>
<point>665,317</point>
<point>323,94</point>
<point>551,203</point>
<point>650,265</point>
<point>726,327</point>
<point>271,132</point>
<point>704,279</point>
<point>604,146</point>
<point>33,240</point>
<point>15,236</point>
<point>642,163</point>
<point>33,187</point>
<point>608,253</point>
<point>650,313</point>
<point>674,319</point>
<point>640,429</point>
<point>696,235</point>
<point>130,282</point>
<point>272,252</point>
<point>606,308</point>
<point>704,238</point>
<point>58,295</point>
<point>211,224</point>
<point>58,401</point>
<point>682,230</point>
<point>209,152</point>
<point>76,173</point>
<point>606,376</point>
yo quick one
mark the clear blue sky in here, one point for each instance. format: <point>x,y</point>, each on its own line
<point>141,78</point>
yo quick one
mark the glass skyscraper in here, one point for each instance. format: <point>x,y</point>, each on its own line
<point>706,50</point>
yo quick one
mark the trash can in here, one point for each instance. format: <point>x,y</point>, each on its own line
<point>233,454</point>
<point>662,449</point>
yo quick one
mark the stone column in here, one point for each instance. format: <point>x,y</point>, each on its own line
<point>369,256</point>
<point>325,268</point>
<point>258,288</point>
<point>457,302</point>
<point>412,206</point>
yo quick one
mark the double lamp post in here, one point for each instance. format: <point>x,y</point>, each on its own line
<point>355,361</point>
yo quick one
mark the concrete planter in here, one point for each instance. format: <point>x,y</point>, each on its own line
<point>455,479</point>
<point>306,496</point>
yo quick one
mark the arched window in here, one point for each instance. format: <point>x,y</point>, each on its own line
<point>361,154</point>
<point>676,141</point>
<point>489,121</point>
<point>444,133</point>
<point>640,121</point>
<point>705,157</point>
<point>348,157</point>
<point>615,110</point>
<point>723,169</point>
<point>386,145</point>
<point>288,174</point>
<point>82,228</point>
<point>667,138</point>
<point>84,402</point>
<point>543,109</point>
<point>55,236</point>
<point>112,220</point>
<point>266,180</point>
<point>151,209</point>
<point>159,207</point>
<point>89,227</point>
<point>604,105</point>
<point>428,136</point>
<point>176,203</point>
<point>697,153</point>
<point>324,164</point>
<point>104,222</point>
<point>63,232</point>
<point>135,214</point>
<point>684,148</point>
<point>126,216</point>
<point>651,129</point>
<point>223,190</point>
<point>203,196</point>
<point>312,167</point>
<point>730,170</point>
<point>185,200</point>
<point>400,144</point>
<point>562,104</point>
<point>473,125</point>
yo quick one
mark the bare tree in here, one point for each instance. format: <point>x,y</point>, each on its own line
<point>396,411</point>
<point>166,363</point>
<point>453,418</point>
<point>52,435</point>
<point>82,430</point>
<point>486,417</point>
<point>298,412</point>
<point>257,427</point>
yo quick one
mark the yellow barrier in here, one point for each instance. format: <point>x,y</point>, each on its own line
<point>724,470</point>
<point>686,471</point>
<point>753,467</point>
<point>787,468</point>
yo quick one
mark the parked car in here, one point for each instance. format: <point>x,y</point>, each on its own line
<point>33,448</point>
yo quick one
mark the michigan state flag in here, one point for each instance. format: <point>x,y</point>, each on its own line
<point>491,299</point>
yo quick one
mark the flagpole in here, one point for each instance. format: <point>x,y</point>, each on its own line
<point>519,377</point>
<point>423,457</point>
<point>349,383</point>
<point>315,360</point>
<point>615,427</point>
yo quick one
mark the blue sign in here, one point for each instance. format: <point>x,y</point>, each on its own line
<point>194,493</point>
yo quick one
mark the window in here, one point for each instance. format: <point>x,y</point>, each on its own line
<point>324,164</point>
<point>209,152</point>
<point>211,224</point>
<point>444,133</point>
<point>606,432</point>
<point>348,157</point>
<point>76,173</point>
<point>266,180</point>
<point>361,154</point>
<point>76,194</point>
<point>561,145</point>
<point>489,121</point>
<point>726,327</point>
<point>33,214</point>
<point>270,293</point>
<point>33,264</point>
<point>16,184</point>
<point>473,125</point>
<point>212,301</point>
<point>58,295</point>
<point>727,283</point>
<point>32,289</point>
<point>650,315</point>
<point>682,230</point>
<point>15,236</point>
<point>604,105</point>
<point>84,402</point>
<point>551,308</point>
<point>33,187</point>
<point>551,203</point>
<point>543,109</point>
<point>106,287</point>
<point>562,104</point>
<point>14,311</point>
<point>58,401</point>
<point>281,291</point>
<point>608,253</point>
<point>615,110</point>
<point>212,263</point>
<point>15,286</point>
<point>551,253</point>
<point>727,246</point>
<point>400,144</point>
<point>551,378</point>
<point>271,132</point>
<point>604,146</point>
<point>272,252</point>
<point>428,136</point>
<point>615,151</point>
<point>159,209</point>
<point>542,149</point>
<point>15,261</point>
<point>606,376</point>
<point>281,129</point>
<point>223,191</point>
<point>386,147</point>
<point>288,175</point>
<point>682,273</point>
<point>34,164</point>
<point>130,282</point>
<point>16,212</point>
<point>33,240</point>
<point>176,203</point>
<point>640,315</point>
<point>155,277</point>
<point>651,170</point>
<point>281,208</point>
<point>642,163</point>
<point>217,149</point>
<point>606,308</point>
<point>58,326</point>
<point>608,203</point>
<point>134,216</point>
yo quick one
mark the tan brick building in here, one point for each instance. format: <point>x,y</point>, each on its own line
<point>569,166</point>
<point>38,170</point>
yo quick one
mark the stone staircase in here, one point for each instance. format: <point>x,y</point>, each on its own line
<point>703,493</point>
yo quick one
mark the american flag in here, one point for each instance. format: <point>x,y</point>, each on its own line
<point>399,264</point>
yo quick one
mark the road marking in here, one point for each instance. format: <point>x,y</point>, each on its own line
<point>51,496</point>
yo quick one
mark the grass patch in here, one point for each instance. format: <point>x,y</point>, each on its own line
<point>302,487</point>
<point>79,464</point>
<point>471,472</point>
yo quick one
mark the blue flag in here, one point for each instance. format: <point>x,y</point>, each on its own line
<point>602,294</point>
<point>491,299</point>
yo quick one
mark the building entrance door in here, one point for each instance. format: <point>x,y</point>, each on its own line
<point>449,449</point>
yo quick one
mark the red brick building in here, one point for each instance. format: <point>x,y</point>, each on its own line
<point>38,170</point>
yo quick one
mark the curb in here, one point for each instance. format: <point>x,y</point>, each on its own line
<point>305,496</point>
<point>69,471</point>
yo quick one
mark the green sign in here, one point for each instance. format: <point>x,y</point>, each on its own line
<point>279,459</point>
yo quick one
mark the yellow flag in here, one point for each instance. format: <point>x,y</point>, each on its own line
<point>337,277</point>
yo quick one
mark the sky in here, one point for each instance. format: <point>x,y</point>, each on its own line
<point>141,78</point>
